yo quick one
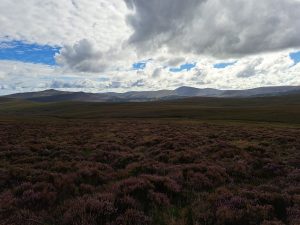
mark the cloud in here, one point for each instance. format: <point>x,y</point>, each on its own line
<point>177,61</point>
<point>174,30</point>
<point>273,69</point>
<point>221,28</point>
<point>73,84</point>
<point>85,56</point>
<point>100,40</point>
<point>157,72</point>
<point>81,57</point>
<point>64,22</point>
<point>250,69</point>
<point>156,21</point>
<point>6,46</point>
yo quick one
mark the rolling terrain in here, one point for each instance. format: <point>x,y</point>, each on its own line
<point>284,109</point>
<point>144,96</point>
<point>190,161</point>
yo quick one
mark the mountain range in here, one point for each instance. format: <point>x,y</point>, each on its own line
<point>144,96</point>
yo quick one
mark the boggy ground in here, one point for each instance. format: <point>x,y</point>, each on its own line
<point>132,172</point>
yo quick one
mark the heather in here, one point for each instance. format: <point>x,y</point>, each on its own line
<point>132,172</point>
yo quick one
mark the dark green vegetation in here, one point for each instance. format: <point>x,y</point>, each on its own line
<point>156,163</point>
<point>283,109</point>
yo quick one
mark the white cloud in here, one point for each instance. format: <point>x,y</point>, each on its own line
<point>60,22</point>
<point>6,46</point>
<point>273,69</point>
<point>174,30</point>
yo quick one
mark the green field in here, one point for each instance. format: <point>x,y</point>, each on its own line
<point>283,109</point>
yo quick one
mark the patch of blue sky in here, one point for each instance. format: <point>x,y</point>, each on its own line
<point>141,65</point>
<point>223,65</point>
<point>183,67</point>
<point>28,53</point>
<point>295,56</point>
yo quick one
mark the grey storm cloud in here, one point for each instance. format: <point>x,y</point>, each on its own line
<point>81,57</point>
<point>221,28</point>
<point>160,20</point>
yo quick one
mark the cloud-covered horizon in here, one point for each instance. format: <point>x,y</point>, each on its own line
<point>148,44</point>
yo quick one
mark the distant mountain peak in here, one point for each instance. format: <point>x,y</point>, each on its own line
<point>193,88</point>
<point>184,87</point>
<point>52,95</point>
<point>52,90</point>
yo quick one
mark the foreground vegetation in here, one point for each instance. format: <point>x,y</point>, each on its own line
<point>200,161</point>
<point>138,171</point>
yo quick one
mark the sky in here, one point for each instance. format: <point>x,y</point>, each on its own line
<point>125,45</point>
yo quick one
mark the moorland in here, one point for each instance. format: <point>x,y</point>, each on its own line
<point>195,161</point>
